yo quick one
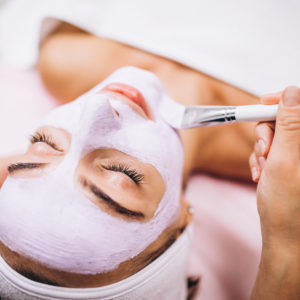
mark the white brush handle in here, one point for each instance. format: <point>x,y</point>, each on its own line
<point>200,116</point>
<point>256,113</point>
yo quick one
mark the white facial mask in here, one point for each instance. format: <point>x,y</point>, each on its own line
<point>147,284</point>
<point>49,220</point>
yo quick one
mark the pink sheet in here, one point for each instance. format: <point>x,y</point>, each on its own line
<point>227,242</point>
<point>23,102</point>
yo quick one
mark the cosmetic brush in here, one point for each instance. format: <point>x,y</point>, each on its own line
<point>183,117</point>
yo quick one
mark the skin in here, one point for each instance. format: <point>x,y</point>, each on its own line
<point>279,208</point>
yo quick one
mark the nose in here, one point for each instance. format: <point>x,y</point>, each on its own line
<point>98,115</point>
<point>98,118</point>
<point>116,112</point>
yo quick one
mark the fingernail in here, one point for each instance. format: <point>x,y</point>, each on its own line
<point>262,161</point>
<point>291,96</point>
<point>261,146</point>
<point>254,173</point>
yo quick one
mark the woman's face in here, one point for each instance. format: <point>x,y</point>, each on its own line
<point>99,188</point>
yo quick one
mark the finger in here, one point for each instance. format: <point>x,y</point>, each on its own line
<point>259,157</point>
<point>271,98</point>
<point>286,141</point>
<point>257,150</point>
<point>264,134</point>
<point>254,167</point>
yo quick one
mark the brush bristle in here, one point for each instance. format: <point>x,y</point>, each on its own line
<point>172,112</point>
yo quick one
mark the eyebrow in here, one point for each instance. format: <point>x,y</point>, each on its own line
<point>110,202</point>
<point>21,166</point>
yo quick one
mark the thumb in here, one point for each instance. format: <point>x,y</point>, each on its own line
<point>287,131</point>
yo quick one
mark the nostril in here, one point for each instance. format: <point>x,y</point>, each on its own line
<point>117,113</point>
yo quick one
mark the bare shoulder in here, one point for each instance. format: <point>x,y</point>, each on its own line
<point>219,150</point>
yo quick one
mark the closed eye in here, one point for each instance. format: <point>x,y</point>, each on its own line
<point>110,202</point>
<point>133,174</point>
<point>44,138</point>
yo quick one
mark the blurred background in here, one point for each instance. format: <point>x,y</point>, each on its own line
<point>253,45</point>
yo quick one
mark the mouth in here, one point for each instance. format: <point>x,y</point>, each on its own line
<point>129,92</point>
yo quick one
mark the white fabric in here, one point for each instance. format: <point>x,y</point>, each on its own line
<point>165,278</point>
<point>253,44</point>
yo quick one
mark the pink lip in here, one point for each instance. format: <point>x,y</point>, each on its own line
<point>129,92</point>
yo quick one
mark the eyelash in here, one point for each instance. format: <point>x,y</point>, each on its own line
<point>133,174</point>
<point>44,138</point>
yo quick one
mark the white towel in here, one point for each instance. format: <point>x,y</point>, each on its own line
<point>253,45</point>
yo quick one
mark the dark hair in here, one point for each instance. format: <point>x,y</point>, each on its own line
<point>38,278</point>
<point>193,283</point>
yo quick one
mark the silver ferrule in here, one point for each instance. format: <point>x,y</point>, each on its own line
<point>200,116</point>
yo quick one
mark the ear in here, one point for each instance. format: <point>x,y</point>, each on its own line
<point>186,212</point>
